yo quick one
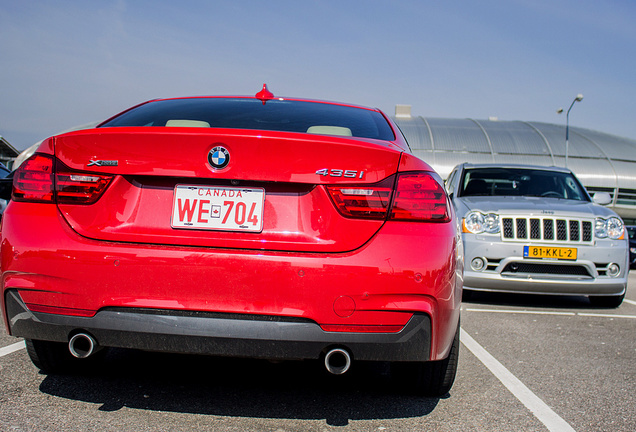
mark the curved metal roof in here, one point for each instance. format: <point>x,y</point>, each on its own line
<point>603,162</point>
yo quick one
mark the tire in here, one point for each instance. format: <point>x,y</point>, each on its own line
<point>432,378</point>
<point>611,302</point>
<point>54,357</point>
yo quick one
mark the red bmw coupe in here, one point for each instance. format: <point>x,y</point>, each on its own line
<point>261,227</point>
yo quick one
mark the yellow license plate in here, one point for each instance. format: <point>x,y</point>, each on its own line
<point>559,253</point>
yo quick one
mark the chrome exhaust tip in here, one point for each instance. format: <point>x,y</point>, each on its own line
<point>337,361</point>
<point>82,345</point>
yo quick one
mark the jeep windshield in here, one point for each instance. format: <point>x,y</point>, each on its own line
<point>521,182</point>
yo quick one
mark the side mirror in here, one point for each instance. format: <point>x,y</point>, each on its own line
<point>602,198</point>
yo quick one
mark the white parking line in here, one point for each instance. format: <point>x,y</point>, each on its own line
<point>540,409</point>
<point>12,348</point>
<point>520,312</point>
<point>605,315</point>
<point>632,302</point>
<point>526,312</point>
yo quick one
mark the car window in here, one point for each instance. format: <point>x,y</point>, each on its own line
<point>4,171</point>
<point>521,182</point>
<point>450,187</point>
<point>247,113</point>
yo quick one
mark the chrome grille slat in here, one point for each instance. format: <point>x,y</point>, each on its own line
<point>575,233</point>
<point>587,231</point>
<point>546,229</point>
<point>535,229</point>
<point>562,234</point>
<point>507,228</point>
<point>522,228</point>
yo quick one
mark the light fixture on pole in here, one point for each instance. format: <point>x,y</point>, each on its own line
<point>578,98</point>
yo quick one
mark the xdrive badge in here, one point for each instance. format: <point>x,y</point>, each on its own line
<point>103,163</point>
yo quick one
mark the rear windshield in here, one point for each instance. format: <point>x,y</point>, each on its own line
<point>244,113</point>
<point>521,182</point>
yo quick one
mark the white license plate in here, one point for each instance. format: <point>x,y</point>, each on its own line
<point>218,208</point>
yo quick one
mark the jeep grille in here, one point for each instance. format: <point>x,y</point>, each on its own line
<point>550,230</point>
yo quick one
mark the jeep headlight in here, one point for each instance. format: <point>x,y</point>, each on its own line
<point>609,228</point>
<point>477,223</point>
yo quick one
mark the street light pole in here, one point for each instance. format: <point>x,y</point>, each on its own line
<point>578,98</point>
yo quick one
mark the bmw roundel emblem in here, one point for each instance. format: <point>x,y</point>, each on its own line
<point>219,157</point>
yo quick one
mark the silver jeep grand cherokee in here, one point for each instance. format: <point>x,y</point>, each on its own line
<point>533,229</point>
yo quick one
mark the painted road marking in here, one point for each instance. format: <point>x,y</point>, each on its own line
<point>605,315</point>
<point>510,311</point>
<point>632,302</point>
<point>526,312</point>
<point>12,348</point>
<point>540,409</point>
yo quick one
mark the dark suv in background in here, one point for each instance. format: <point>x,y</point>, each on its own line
<point>631,230</point>
<point>6,181</point>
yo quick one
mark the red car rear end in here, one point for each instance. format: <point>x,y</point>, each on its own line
<point>255,227</point>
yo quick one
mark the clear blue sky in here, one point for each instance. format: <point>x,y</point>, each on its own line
<point>66,63</point>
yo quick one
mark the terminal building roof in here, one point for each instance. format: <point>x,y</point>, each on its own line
<point>603,162</point>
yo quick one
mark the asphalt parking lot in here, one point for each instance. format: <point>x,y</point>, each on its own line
<point>530,363</point>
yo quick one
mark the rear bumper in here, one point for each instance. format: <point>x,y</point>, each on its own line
<point>187,299</point>
<point>220,334</point>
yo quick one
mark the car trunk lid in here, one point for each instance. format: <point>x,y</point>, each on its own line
<point>163,179</point>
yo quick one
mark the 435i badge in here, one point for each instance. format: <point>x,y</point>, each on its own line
<point>340,173</point>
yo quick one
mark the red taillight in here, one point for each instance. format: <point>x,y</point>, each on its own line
<point>74,188</point>
<point>363,201</point>
<point>420,197</point>
<point>35,181</point>
<point>417,197</point>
